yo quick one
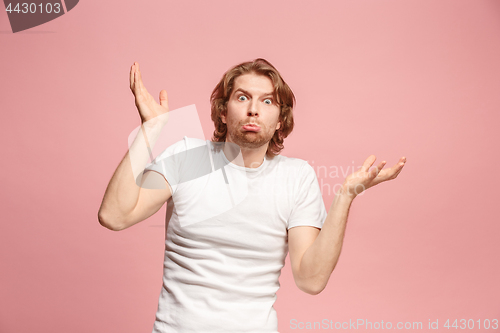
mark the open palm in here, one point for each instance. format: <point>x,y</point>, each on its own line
<point>148,108</point>
<point>364,178</point>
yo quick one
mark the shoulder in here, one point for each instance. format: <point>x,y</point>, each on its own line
<point>289,162</point>
<point>178,146</point>
<point>194,142</point>
<point>292,166</point>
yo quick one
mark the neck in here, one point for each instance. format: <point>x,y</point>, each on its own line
<point>252,157</point>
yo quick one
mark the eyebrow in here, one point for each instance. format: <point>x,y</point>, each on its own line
<point>247,93</point>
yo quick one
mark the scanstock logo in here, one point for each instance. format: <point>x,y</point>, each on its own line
<point>32,13</point>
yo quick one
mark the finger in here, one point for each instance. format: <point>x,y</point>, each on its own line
<point>400,168</point>
<point>381,166</point>
<point>164,98</point>
<point>139,77</point>
<point>400,164</point>
<point>393,172</point>
<point>394,175</point>
<point>132,71</point>
<point>368,163</point>
<point>374,172</point>
<point>142,88</point>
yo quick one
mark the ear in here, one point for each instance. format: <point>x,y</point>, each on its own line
<point>223,114</point>
<point>278,126</point>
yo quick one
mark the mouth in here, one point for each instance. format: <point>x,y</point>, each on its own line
<point>251,128</point>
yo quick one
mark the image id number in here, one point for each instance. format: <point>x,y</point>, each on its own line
<point>33,8</point>
<point>469,324</point>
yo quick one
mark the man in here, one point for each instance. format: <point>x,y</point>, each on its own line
<point>229,230</point>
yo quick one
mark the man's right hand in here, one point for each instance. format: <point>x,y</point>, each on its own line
<point>147,106</point>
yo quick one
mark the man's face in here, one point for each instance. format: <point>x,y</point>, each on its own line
<point>251,102</point>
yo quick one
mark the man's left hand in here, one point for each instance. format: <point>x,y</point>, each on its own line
<point>364,178</point>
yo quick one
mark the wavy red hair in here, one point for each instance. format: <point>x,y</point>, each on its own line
<point>282,94</point>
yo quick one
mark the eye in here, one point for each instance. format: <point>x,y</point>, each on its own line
<point>268,101</point>
<point>242,98</point>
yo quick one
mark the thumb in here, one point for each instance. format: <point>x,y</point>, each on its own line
<point>164,98</point>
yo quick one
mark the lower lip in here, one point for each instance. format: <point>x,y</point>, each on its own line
<point>251,128</point>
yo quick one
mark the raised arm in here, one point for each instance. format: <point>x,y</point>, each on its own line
<point>314,253</point>
<point>126,203</point>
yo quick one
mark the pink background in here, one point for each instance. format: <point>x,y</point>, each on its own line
<point>392,78</point>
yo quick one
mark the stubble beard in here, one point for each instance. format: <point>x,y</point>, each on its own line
<point>248,139</point>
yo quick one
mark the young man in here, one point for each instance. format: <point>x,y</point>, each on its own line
<point>229,229</point>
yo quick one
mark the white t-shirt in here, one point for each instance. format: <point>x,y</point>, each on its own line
<point>226,236</point>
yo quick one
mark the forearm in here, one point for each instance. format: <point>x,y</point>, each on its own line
<point>321,257</point>
<point>122,194</point>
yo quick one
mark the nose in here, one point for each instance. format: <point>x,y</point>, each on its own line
<point>252,109</point>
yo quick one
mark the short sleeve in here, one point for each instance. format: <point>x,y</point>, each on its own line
<point>308,209</point>
<point>169,162</point>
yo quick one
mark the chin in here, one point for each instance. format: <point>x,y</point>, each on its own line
<point>253,140</point>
